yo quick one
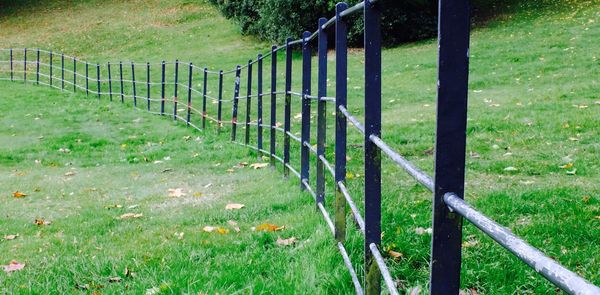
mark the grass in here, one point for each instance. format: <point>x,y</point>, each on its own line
<point>533,106</point>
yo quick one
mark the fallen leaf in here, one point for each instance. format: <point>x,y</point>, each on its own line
<point>259,165</point>
<point>269,227</point>
<point>510,169</point>
<point>566,166</point>
<point>64,150</point>
<point>82,287</point>
<point>13,266</point>
<point>286,242</point>
<point>11,237</point>
<point>209,229</point>
<point>395,255</point>
<point>19,194</point>
<point>179,235</point>
<point>197,194</point>
<point>70,173</point>
<point>222,231</point>
<point>234,206</point>
<point>131,215</point>
<point>230,170</point>
<point>115,280</point>
<point>471,243</point>
<point>572,172</point>
<point>242,164</point>
<point>40,221</point>
<point>176,192</point>
<point>153,291</point>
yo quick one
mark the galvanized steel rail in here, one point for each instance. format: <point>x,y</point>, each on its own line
<point>447,187</point>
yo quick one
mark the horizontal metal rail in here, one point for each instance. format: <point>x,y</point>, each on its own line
<point>352,120</point>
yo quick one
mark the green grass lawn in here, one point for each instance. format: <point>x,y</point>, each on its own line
<point>534,107</point>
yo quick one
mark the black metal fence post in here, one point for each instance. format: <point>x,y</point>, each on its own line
<point>248,103</point>
<point>341,93</point>
<point>204,90</point>
<point>234,109</point>
<point>133,85</point>
<point>148,86</point>
<point>25,65</point>
<point>98,80</point>
<point>321,110</point>
<point>62,71</point>
<point>110,94</point>
<point>453,69</point>
<point>51,67</point>
<point>220,100</point>
<point>288,107</point>
<point>162,89</point>
<point>273,123</point>
<point>37,68</point>
<point>306,90</point>
<point>121,78</point>
<point>12,74</point>
<point>259,107</point>
<point>176,88</point>
<point>372,197</point>
<point>87,79</point>
<point>189,94</point>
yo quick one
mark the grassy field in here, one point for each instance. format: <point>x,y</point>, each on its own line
<point>534,105</point>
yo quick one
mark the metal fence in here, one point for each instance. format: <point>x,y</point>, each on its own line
<point>449,209</point>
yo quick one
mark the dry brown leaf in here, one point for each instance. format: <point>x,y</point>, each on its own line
<point>395,255</point>
<point>70,173</point>
<point>11,237</point>
<point>13,266</point>
<point>286,242</point>
<point>19,194</point>
<point>131,215</point>
<point>176,192</point>
<point>40,221</point>
<point>241,165</point>
<point>259,165</point>
<point>269,227</point>
<point>230,170</point>
<point>234,206</point>
<point>116,206</point>
<point>209,229</point>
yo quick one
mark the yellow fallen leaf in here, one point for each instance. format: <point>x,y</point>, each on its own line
<point>269,227</point>
<point>234,206</point>
<point>197,194</point>
<point>286,242</point>
<point>566,166</point>
<point>19,194</point>
<point>222,231</point>
<point>131,215</point>
<point>259,165</point>
<point>40,221</point>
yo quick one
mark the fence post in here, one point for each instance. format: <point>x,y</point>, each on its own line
<point>273,104</point>
<point>259,107</point>
<point>74,74</point>
<point>87,79</point>
<point>110,94</point>
<point>37,68</point>
<point>133,84</point>
<point>121,78</point>
<point>98,78</point>
<point>234,109</point>
<point>248,103</point>
<point>25,65</point>
<point>306,90</point>
<point>372,197</point>
<point>321,109</point>
<point>220,99</point>
<point>189,94</point>
<point>11,65</point>
<point>288,107</point>
<point>62,71</point>
<point>176,88</point>
<point>51,59</point>
<point>341,93</point>
<point>204,85</point>
<point>148,85</point>
<point>453,69</point>
<point>162,89</point>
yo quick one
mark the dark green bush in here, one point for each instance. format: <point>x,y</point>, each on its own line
<point>275,20</point>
